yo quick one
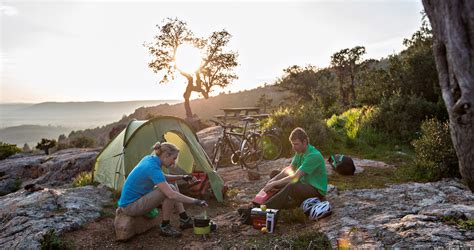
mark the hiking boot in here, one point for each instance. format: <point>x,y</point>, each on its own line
<point>185,224</point>
<point>169,231</point>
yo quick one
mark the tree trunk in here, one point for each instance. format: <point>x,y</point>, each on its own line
<point>453,45</point>
<point>187,95</point>
<point>353,85</point>
<point>342,90</point>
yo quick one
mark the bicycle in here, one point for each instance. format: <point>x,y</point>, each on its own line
<point>245,148</point>
<point>272,146</point>
<point>266,142</point>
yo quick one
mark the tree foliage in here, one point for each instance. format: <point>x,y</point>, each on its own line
<point>435,155</point>
<point>83,142</point>
<point>7,150</point>
<point>45,145</point>
<point>217,64</point>
<point>346,63</point>
<point>309,84</point>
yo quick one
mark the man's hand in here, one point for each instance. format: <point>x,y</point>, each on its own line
<point>201,203</point>
<point>269,186</point>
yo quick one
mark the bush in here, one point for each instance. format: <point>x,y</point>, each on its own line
<point>83,142</point>
<point>52,241</point>
<point>401,115</point>
<point>354,130</point>
<point>7,150</point>
<point>435,154</point>
<point>83,179</point>
<point>307,117</point>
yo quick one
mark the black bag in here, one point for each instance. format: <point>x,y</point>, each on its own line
<point>342,164</point>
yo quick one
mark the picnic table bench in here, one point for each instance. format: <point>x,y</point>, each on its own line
<point>239,113</point>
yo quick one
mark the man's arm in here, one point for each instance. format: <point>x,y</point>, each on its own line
<point>283,173</point>
<point>294,177</point>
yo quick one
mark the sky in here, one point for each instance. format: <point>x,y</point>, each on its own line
<point>93,50</point>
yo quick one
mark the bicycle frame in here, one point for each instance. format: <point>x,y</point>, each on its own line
<point>226,141</point>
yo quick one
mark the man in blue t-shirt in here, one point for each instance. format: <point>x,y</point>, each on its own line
<point>146,187</point>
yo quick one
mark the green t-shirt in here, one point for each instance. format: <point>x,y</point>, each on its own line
<point>312,164</point>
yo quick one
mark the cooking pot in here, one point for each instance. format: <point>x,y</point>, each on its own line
<point>202,225</point>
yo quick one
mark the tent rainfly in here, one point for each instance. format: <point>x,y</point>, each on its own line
<point>122,154</point>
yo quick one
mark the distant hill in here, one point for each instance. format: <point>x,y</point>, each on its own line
<point>205,109</point>
<point>31,134</point>
<point>75,115</point>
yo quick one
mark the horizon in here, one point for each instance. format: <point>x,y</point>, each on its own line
<point>108,60</point>
<point>1,103</point>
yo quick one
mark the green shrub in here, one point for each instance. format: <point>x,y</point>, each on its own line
<point>83,179</point>
<point>83,142</point>
<point>307,116</point>
<point>16,185</point>
<point>353,129</point>
<point>292,216</point>
<point>52,241</point>
<point>7,150</point>
<point>435,154</point>
<point>400,115</point>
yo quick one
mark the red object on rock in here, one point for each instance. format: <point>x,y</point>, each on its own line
<point>262,197</point>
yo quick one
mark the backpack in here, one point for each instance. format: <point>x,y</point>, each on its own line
<point>202,188</point>
<point>342,164</point>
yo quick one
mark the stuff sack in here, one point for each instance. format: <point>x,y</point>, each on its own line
<point>262,197</point>
<point>342,164</point>
<point>202,187</point>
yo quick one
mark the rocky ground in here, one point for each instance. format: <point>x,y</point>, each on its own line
<point>404,215</point>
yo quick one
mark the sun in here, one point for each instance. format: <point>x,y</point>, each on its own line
<point>188,58</point>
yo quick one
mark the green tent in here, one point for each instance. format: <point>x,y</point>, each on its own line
<point>122,154</point>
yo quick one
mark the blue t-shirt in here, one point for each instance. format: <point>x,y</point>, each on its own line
<point>141,180</point>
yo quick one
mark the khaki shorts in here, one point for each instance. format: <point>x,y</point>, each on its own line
<point>146,203</point>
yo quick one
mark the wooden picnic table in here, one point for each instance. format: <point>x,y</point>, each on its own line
<point>239,113</point>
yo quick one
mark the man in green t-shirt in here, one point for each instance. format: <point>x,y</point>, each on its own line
<point>305,177</point>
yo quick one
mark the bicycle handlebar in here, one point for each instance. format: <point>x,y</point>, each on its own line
<point>219,123</point>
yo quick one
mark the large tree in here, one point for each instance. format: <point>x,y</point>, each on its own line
<point>453,45</point>
<point>346,62</point>
<point>216,68</point>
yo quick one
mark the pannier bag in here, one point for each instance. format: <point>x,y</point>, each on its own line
<point>342,164</point>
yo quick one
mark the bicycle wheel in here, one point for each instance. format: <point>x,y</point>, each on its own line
<point>272,146</point>
<point>252,152</point>
<point>217,153</point>
<point>233,150</point>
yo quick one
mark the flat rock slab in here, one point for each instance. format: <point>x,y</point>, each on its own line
<point>48,170</point>
<point>26,217</point>
<point>401,216</point>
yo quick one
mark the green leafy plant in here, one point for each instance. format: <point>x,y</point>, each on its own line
<point>82,142</point>
<point>83,179</point>
<point>51,241</point>
<point>292,216</point>
<point>7,150</point>
<point>435,154</point>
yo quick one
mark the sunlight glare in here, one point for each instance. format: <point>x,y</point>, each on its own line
<point>290,172</point>
<point>188,58</point>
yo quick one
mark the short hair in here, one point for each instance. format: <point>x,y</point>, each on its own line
<point>165,147</point>
<point>299,133</point>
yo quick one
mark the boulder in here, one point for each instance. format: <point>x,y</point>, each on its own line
<point>27,217</point>
<point>50,170</point>
<point>127,226</point>
<point>208,138</point>
<point>400,216</point>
